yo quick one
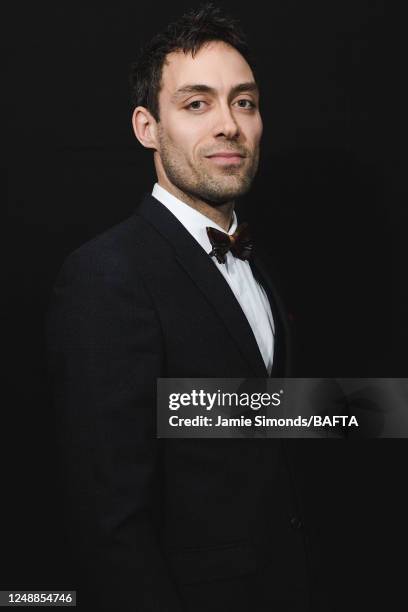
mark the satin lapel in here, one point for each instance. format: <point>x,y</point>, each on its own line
<point>207,278</point>
<point>281,359</point>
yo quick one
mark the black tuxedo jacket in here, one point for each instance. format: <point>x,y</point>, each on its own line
<point>167,525</point>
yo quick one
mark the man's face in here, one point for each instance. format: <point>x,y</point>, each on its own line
<point>202,113</point>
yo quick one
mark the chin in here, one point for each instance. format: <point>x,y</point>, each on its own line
<point>222,198</point>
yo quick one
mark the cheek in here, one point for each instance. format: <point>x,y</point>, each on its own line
<point>255,130</point>
<point>188,132</point>
<point>186,142</point>
<point>260,128</point>
<point>251,130</point>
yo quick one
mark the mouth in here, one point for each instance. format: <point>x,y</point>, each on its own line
<point>226,158</point>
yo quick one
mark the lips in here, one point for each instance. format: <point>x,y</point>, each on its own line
<point>226,154</point>
<point>231,159</point>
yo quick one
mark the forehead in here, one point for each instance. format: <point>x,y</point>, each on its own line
<point>216,64</point>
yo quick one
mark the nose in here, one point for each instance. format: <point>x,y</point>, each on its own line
<point>226,124</point>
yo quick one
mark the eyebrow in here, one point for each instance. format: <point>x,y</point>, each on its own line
<point>201,88</point>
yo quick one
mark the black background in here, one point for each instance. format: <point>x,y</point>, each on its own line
<point>329,203</point>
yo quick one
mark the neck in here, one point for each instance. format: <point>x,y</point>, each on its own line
<point>221,215</point>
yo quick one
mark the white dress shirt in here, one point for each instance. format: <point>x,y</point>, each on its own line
<point>238,274</point>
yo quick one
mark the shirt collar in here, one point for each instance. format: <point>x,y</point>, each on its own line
<point>194,221</point>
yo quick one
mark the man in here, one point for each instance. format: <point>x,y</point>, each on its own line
<point>177,525</point>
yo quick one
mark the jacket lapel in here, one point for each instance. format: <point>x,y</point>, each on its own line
<point>282,347</point>
<point>207,278</point>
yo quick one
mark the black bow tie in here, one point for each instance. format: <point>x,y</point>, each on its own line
<point>239,243</point>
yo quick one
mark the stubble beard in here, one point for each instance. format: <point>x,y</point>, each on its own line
<point>197,182</point>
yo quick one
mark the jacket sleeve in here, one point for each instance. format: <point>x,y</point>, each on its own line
<point>105,353</point>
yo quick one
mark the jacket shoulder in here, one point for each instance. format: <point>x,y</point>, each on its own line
<point>103,271</point>
<point>118,250</point>
<point>111,244</point>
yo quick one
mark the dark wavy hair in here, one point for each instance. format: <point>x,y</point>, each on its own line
<point>188,33</point>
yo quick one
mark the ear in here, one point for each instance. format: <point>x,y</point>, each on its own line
<point>144,127</point>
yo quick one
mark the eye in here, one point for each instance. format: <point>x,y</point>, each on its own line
<point>251,104</point>
<point>195,102</point>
